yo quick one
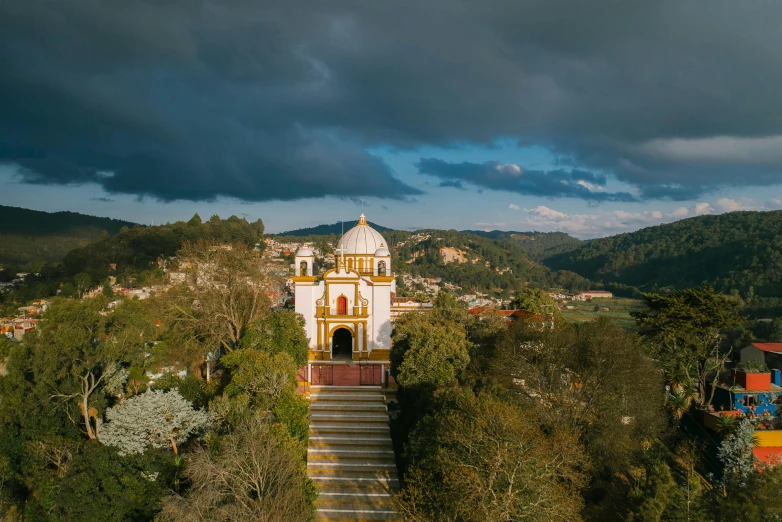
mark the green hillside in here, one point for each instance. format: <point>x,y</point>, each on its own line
<point>135,250</point>
<point>537,245</point>
<point>498,265</point>
<point>739,251</point>
<point>32,236</point>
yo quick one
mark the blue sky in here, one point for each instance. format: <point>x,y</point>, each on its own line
<point>438,207</point>
<point>532,115</point>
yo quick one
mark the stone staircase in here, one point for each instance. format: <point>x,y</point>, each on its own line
<point>350,456</point>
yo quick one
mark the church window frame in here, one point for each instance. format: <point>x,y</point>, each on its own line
<point>303,269</point>
<point>381,268</point>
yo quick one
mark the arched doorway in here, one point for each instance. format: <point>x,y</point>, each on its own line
<point>342,344</point>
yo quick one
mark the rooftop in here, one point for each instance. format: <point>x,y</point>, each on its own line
<point>769,347</point>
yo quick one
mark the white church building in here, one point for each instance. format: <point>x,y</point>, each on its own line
<point>347,310</point>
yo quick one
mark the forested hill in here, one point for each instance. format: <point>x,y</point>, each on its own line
<point>735,251</point>
<point>33,236</point>
<point>325,230</point>
<point>499,265</point>
<point>135,250</point>
<point>537,245</point>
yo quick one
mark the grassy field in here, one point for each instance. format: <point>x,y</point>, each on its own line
<point>618,309</point>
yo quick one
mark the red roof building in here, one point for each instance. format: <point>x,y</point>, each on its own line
<point>769,353</point>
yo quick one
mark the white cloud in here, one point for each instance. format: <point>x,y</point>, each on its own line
<point>514,207</point>
<point>590,186</point>
<point>731,205</point>
<point>603,223</point>
<point>511,169</point>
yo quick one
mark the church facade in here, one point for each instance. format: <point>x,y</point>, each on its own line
<point>347,310</point>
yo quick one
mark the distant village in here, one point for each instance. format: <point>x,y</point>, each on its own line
<point>280,255</point>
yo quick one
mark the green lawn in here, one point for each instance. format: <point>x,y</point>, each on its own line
<point>618,309</point>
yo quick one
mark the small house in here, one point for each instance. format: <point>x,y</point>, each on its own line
<point>768,353</point>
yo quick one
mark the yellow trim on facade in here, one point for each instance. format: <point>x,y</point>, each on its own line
<point>380,354</point>
<point>304,279</point>
<point>382,279</point>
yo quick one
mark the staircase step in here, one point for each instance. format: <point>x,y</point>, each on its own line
<point>357,512</point>
<point>362,480</point>
<point>353,494</point>
<point>354,406</point>
<point>349,454</point>
<point>370,437</point>
<point>348,424</point>
<point>333,466</point>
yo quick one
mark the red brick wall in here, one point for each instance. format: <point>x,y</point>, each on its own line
<point>347,376</point>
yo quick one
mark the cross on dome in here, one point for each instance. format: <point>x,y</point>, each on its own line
<point>361,240</point>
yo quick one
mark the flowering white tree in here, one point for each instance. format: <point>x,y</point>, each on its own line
<point>735,452</point>
<point>155,419</point>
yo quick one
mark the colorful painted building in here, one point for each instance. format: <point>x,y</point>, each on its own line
<point>757,397</point>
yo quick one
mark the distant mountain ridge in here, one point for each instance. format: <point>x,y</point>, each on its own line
<point>34,236</point>
<point>734,251</point>
<point>326,230</point>
<point>18,220</point>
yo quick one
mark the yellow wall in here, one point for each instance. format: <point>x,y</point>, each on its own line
<point>769,439</point>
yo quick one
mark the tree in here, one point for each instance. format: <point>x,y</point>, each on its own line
<point>154,419</point>
<point>258,227</point>
<point>534,300</point>
<point>107,290</point>
<point>68,290</point>
<point>83,281</point>
<point>71,354</point>
<point>263,376</point>
<point>686,330</point>
<point>776,330</point>
<point>480,459</point>
<point>195,220</point>
<point>428,349</point>
<point>256,473</point>
<point>590,379</point>
<point>279,332</point>
<point>735,453</point>
<point>227,292</point>
<point>98,486</point>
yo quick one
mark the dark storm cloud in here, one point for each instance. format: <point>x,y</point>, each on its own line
<point>280,100</point>
<point>103,199</point>
<point>512,178</point>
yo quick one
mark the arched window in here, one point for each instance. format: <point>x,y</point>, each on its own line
<point>350,264</point>
<point>381,268</point>
<point>342,305</point>
<point>360,265</point>
<point>303,268</point>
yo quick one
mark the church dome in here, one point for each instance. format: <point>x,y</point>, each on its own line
<point>304,252</point>
<point>361,239</point>
<point>382,252</point>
